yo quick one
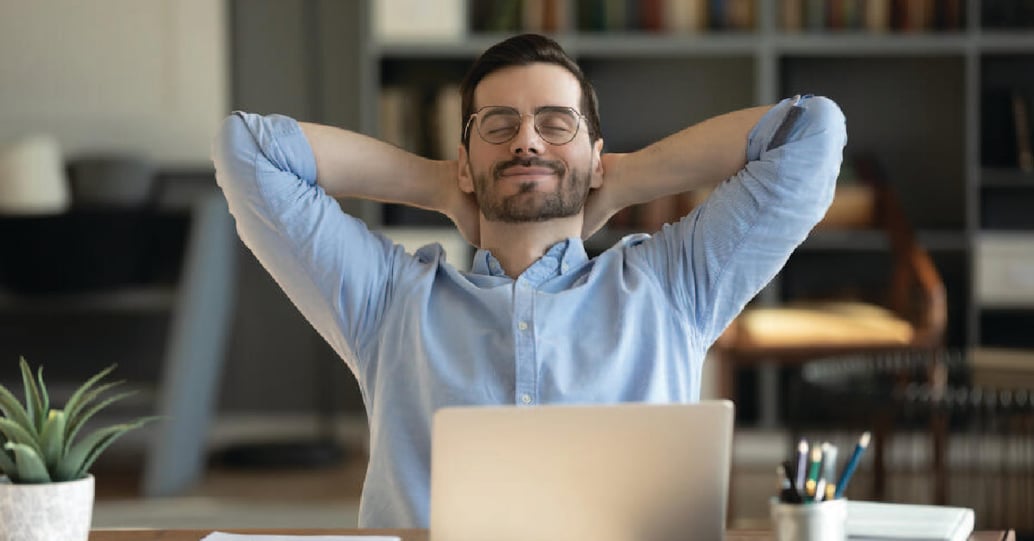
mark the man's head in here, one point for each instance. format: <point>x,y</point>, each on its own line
<point>531,140</point>
<point>521,51</point>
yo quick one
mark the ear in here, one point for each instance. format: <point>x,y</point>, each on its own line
<point>464,178</point>
<point>597,164</point>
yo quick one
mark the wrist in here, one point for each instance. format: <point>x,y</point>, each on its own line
<point>614,193</point>
<point>443,197</point>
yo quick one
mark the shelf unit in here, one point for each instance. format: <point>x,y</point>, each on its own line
<point>915,100</point>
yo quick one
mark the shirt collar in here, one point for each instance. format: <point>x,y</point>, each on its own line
<point>561,258</point>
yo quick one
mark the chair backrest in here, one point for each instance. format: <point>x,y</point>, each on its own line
<point>916,291</point>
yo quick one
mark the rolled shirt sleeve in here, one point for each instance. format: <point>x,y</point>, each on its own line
<point>267,171</point>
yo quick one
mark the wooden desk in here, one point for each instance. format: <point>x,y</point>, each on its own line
<point>409,535</point>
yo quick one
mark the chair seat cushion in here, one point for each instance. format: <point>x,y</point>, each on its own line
<point>822,324</point>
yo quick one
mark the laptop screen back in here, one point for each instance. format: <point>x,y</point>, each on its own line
<point>629,472</point>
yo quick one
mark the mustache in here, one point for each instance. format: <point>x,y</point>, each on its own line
<point>556,167</point>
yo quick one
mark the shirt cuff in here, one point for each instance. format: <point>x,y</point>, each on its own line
<point>281,140</point>
<point>772,123</point>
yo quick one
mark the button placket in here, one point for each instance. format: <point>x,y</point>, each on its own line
<point>524,343</point>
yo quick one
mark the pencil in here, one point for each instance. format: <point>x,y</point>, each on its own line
<point>852,463</point>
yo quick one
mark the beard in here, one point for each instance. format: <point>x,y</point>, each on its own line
<point>528,204</point>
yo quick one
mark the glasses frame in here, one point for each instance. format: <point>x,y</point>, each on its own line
<point>477,127</point>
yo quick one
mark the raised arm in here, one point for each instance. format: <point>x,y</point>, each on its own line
<point>697,157</point>
<point>718,257</point>
<point>339,273</point>
<point>350,164</point>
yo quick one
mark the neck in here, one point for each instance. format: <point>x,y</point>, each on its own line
<point>517,245</point>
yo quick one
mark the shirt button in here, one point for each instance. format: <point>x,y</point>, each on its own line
<point>522,326</point>
<point>526,398</point>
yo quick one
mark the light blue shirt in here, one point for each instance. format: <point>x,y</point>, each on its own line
<point>631,325</point>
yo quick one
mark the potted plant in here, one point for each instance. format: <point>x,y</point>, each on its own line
<point>46,491</point>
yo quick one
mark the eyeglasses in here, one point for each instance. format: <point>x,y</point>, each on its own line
<point>497,124</point>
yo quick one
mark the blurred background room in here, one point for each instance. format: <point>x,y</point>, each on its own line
<point>908,312</point>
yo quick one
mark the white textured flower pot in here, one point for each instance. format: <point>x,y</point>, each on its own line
<point>46,512</point>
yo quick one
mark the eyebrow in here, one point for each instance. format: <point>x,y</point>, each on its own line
<point>536,111</point>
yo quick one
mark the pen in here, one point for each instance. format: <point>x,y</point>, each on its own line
<point>829,471</point>
<point>852,463</point>
<point>802,465</point>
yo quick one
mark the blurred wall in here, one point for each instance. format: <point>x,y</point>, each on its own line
<point>149,78</point>
<point>154,79</point>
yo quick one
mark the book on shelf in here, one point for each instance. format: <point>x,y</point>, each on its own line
<point>815,14</point>
<point>871,15</point>
<point>496,16</point>
<point>503,16</point>
<point>684,17</point>
<point>668,16</point>
<point>398,117</point>
<point>1021,124</point>
<point>651,15</point>
<point>607,15</point>
<point>910,15</point>
<point>425,121</point>
<point>791,15</point>
<point>448,126</point>
<point>738,15</point>
<point>1006,135</point>
<point>876,16</point>
<point>418,20</point>
<point>544,16</point>
<point>422,126</point>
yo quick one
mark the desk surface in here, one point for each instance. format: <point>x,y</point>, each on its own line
<point>407,535</point>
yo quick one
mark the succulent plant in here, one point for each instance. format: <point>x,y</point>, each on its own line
<point>39,443</point>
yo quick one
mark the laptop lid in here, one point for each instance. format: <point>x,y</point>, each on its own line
<point>581,473</point>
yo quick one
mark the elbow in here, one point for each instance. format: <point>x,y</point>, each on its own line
<point>227,138</point>
<point>828,119</point>
<point>229,148</point>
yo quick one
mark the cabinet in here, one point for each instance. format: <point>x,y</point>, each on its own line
<point>917,91</point>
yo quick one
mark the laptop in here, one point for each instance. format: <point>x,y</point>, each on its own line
<point>628,472</point>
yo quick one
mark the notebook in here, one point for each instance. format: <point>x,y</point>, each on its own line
<point>581,473</point>
<point>893,521</point>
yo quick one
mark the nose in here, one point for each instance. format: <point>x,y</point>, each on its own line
<point>527,140</point>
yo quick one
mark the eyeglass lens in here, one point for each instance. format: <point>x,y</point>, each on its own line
<point>556,125</point>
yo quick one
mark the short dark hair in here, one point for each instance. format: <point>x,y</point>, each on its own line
<point>523,50</point>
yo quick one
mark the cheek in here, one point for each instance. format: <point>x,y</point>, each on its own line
<point>482,160</point>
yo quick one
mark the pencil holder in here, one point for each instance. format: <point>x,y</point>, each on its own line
<point>823,521</point>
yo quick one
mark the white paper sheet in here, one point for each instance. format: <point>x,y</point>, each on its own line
<point>895,521</point>
<point>223,536</point>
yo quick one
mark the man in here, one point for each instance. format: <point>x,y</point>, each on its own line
<point>535,321</point>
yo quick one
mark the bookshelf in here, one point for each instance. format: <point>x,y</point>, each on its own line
<point>914,82</point>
